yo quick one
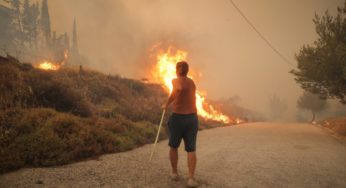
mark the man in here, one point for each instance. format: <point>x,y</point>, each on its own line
<point>183,123</point>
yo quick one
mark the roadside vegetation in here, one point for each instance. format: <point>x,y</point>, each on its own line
<point>337,125</point>
<point>52,118</point>
<point>56,117</point>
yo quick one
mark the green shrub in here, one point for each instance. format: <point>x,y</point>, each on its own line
<point>45,137</point>
<point>41,148</point>
<point>14,92</point>
<point>9,160</point>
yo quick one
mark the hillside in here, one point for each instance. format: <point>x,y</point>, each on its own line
<point>56,117</point>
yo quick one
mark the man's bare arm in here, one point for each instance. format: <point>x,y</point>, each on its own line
<point>175,93</point>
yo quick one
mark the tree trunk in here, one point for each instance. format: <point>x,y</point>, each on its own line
<point>313,116</point>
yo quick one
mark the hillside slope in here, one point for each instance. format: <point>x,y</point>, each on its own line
<point>56,117</point>
<point>52,118</point>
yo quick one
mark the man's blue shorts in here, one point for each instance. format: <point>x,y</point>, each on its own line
<point>183,126</point>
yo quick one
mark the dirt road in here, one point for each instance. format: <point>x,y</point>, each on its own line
<point>249,155</point>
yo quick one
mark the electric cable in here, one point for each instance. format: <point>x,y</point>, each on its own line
<point>260,34</point>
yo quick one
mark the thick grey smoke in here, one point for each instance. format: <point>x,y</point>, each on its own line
<point>115,36</point>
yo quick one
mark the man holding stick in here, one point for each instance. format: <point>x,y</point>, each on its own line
<point>183,123</point>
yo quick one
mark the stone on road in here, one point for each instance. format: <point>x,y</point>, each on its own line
<point>248,155</point>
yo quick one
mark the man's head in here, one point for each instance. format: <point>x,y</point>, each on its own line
<point>182,68</point>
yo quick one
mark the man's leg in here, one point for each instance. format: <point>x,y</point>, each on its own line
<point>190,138</point>
<point>191,163</point>
<point>173,156</point>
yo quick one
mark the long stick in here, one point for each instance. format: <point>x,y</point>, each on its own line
<point>157,135</point>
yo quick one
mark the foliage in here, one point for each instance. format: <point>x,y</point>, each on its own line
<point>30,17</point>
<point>44,137</point>
<point>45,21</point>
<point>84,94</point>
<point>322,66</point>
<point>311,102</point>
<point>26,33</point>
<point>56,117</point>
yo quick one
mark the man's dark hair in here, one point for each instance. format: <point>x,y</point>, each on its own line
<point>183,68</point>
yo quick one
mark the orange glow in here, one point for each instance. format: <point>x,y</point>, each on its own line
<point>53,66</point>
<point>164,73</point>
<point>48,66</point>
<point>65,57</point>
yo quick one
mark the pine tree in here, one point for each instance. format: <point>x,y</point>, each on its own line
<point>8,31</point>
<point>35,24</point>
<point>66,42</point>
<point>15,5</point>
<point>45,22</point>
<point>321,66</point>
<point>26,17</point>
<point>30,23</point>
<point>75,39</point>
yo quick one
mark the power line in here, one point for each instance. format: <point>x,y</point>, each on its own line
<point>260,34</point>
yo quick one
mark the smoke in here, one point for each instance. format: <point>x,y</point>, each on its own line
<point>116,35</point>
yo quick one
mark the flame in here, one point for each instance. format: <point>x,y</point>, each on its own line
<point>48,66</point>
<point>66,55</point>
<point>164,73</point>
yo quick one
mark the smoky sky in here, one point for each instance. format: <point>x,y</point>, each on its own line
<point>116,35</point>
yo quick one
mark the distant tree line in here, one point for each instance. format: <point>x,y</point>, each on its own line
<point>26,32</point>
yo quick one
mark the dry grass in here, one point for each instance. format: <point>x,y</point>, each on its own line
<point>337,125</point>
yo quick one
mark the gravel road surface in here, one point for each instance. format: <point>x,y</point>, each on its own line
<point>248,155</point>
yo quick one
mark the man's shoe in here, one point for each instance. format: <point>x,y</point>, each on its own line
<point>174,176</point>
<point>192,183</point>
